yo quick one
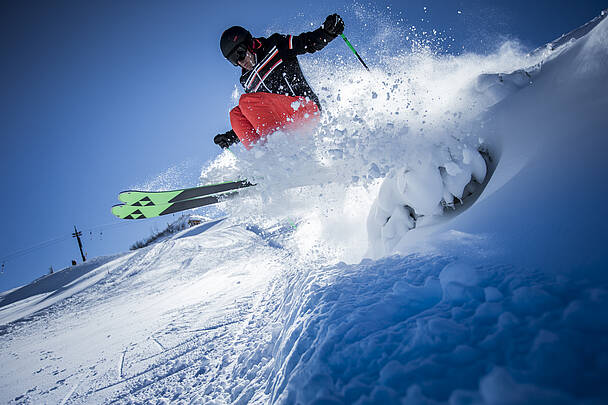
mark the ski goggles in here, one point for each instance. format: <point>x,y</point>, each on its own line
<point>237,55</point>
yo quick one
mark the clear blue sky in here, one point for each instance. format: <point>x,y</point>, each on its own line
<point>100,96</point>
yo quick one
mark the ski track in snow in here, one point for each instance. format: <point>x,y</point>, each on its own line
<point>274,304</point>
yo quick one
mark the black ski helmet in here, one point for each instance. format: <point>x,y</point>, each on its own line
<point>232,38</point>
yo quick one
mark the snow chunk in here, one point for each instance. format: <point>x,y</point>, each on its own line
<point>588,313</point>
<point>532,300</point>
<point>460,273</point>
<point>421,189</point>
<point>296,105</point>
<point>499,388</point>
<point>488,312</point>
<point>492,294</point>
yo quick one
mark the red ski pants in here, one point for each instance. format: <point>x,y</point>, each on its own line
<point>259,114</point>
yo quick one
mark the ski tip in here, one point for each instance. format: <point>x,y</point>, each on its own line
<point>127,211</point>
<point>116,210</point>
<point>128,196</point>
<point>124,195</point>
<point>124,211</point>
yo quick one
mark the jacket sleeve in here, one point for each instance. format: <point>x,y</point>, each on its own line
<point>307,42</point>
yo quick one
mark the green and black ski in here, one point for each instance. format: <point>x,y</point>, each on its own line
<point>148,198</point>
<point>127,211</point>
<point>148,204</point>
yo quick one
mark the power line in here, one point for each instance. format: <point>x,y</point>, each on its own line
<point>31,249</point>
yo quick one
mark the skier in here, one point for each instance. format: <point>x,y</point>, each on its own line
<point>276,92</point>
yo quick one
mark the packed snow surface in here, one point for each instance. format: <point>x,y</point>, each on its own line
<point>350,274</point>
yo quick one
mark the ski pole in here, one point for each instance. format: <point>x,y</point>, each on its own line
<point>354,51</point>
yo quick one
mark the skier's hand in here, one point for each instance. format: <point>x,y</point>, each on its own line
<point>333,25</point>
<point>226,139</point>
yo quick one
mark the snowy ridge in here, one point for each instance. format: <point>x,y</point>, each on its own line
<point>48,290</point>
<point>503,303</point>
<point>574,34</point>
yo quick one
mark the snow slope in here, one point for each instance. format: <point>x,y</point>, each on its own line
<point>504,303</point>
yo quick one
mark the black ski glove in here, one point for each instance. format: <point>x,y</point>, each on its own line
<point>226,139</point>
<point>333,25</point>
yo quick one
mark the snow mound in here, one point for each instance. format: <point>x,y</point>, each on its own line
<point>425,329</point>
<point>422,194</point>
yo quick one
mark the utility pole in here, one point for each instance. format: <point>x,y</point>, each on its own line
<point>77,235</point>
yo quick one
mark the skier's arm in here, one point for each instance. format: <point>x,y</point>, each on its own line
<point>310,42</point>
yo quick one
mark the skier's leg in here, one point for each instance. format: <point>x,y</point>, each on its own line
<point>261,112</point>
<point>243,128</point>
<point>269,112</point>
<point>299,111</point>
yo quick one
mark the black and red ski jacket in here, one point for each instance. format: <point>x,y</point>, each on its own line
<point>278,70</point>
